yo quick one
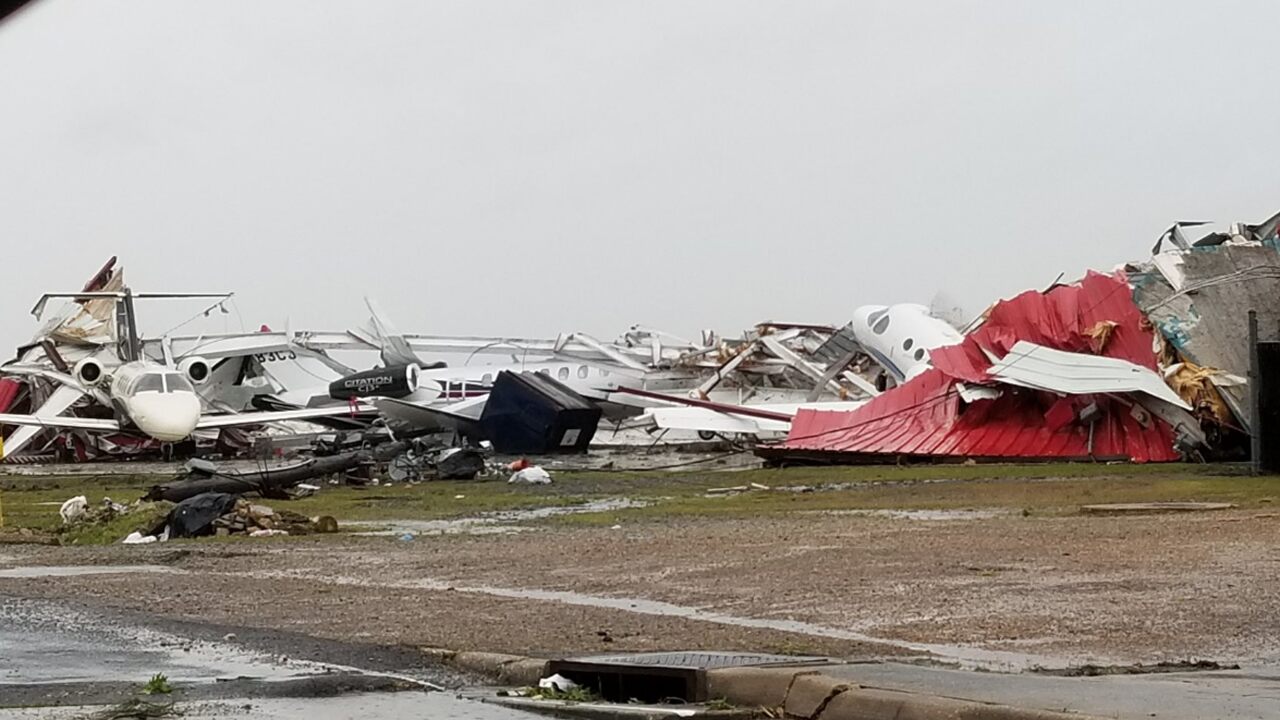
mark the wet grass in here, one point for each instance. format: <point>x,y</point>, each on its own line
<point>1031,489</point>
<point>143,520</point>
<point>1037,490</point>
<point>33,502</point>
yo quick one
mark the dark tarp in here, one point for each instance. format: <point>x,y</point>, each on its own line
<point>194,516</point>
<point>532,413</point>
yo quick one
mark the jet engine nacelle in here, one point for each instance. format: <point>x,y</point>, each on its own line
<point>395,381</point>
<point>196,369</point>
<point>89,372</point>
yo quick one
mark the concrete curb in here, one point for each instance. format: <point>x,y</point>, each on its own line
<point>505,669</point>
<point>795,693</point>
<point>810,695</point>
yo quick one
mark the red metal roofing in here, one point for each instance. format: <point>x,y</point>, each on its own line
<point>8,392</point>
<point>1060,318</point>
<point>926,417</point>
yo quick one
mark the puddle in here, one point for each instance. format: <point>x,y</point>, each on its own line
<point>923,515</point>
<point>50,648</point>
<point>58,644</point>
<point>40,571</point>
<point>965,656</point>
<point>491,523</point>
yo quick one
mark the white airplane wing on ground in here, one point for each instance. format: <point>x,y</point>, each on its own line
<point>727,420</point>
<point>268,416</point>
<point>46,416</point>
<point>426,417</point>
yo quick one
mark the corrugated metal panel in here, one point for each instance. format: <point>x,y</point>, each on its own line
<point>839,345</point>
<point>1206,318</point>
<point>1042,368</point>
<point>926,418</point>
<point>9,389</point>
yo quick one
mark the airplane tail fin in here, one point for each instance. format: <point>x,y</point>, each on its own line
<point>395,349</point>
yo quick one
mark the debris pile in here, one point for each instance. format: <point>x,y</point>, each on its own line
<point>1146,363</point>
<point>246,518</point>
<point>223,514</point>
<point>1066,374</point>
<point>81,519</point>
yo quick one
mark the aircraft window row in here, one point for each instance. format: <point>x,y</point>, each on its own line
<point>562,372</point>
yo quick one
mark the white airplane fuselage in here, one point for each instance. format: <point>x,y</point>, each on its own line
<point>159,400</point>
<point>901,336</point>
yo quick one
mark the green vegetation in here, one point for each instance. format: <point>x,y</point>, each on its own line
<point>1029,490</point>
<point>157,685</point>
<point>143,519</point>
<point>33,501</point>
<point>1032,490</point>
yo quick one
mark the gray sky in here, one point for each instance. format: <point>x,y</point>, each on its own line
<point>532,167</point>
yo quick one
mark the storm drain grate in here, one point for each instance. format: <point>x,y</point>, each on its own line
<point>661,677</point>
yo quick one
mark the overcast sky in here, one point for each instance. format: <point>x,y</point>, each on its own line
<point>532,167</point>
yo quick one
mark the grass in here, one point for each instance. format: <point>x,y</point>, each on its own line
<point>32,501</point>
<point>157,685</point>
<point>143,520</point>
<point>1031,489</point>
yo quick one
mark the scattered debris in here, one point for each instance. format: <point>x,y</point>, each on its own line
<point>459,464</point>
<point>226,514</point>
<point>277,483</point>
<point>1062,396</point>
<point>533,475</point>
<point>73,509</point>
<point>557,682</point>
<point>736,489</point>
<point>1146,363</point>
<point>136,709</point>
<point>1177,666</point>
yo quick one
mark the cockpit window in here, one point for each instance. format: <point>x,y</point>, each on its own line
<point>150,382</point>
<point>878,321</point>
<point>177,382</point>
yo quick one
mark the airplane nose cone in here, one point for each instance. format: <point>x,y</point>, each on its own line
<point>168,417</point>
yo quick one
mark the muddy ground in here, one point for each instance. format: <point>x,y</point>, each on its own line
<point>987,579</point>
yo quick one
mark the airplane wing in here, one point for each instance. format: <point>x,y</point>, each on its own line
<point>67,422</point>
<point>49,415</point>
<point>706,420</point>
<point>457,416</point>
<point>259,418</point>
